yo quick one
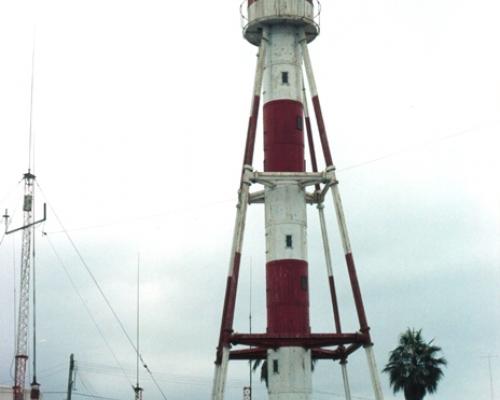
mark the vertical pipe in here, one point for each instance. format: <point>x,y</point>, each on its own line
<point>35,386</point>
<point>34,296</point>
<point>250,327</point>
<point>137,389</point>
<point>137,323</point>
<point>15,287</point>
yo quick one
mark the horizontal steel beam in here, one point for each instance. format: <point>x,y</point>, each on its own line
<point>302,178</point>
<point>318,353</point>
<point>325,354</point>
<point>258,197</point>
<point>310,341</point>
<point>248,354</point>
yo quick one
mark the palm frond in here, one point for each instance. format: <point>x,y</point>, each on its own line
<point>413,366</point>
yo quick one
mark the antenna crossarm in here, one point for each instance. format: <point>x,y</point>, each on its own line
<point>8,232</point>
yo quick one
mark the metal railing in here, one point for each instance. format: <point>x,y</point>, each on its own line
<point>316,16</point>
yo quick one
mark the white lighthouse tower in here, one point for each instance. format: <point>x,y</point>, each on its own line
<point>282,30</point>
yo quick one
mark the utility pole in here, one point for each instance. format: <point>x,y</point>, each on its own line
<point>489,357</point>
<point>71,376</point>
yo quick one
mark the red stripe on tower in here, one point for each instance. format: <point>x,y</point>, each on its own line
<point>287,297</point>
<point>283,136</point>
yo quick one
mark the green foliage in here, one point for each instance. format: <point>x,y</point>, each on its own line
<point>263,370</point>
<point>414,366</point>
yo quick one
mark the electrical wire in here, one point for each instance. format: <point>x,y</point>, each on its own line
<point>418,146</point>
<point>80,394</point>
<point>89,312</point>
<point>94,396</point>
<point>322,392</point>
<point>93,278</point>
<point>108,370</point>
<point>65,231</point>
<point>137,218</point>
<point>108,303</point>
<point>52,367</point>
<point>56,371</point>
<point>84,384</point>
<point>415,147</point>
<point>9,192</point>
<point>53,392</point>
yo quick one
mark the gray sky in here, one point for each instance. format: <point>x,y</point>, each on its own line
<point>140,111</point>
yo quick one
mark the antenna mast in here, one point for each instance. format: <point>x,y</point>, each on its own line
<point>137,389</point>
<point>27,263</point>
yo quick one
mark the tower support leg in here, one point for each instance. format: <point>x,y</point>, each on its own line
<point>220,375</point>
<point>345,379</point>
<point>329,269</point>
<point>222,355</point>
<point>335,192</point>
<point>358,301</point>
<point>342,224</point>
<point>377,388</point>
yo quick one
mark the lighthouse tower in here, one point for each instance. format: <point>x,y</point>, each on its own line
<point>282,29</point>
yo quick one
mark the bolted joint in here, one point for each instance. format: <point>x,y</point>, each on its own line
<point>29,176</point>
<point>365,332</point>
<point>246,175</point>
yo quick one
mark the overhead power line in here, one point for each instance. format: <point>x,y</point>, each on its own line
<point>93,396</point>
<point>418,146</point>
<point>349,167</point>
<point>89,312</point>
<point>84,383</point>
<point>328,393</point>
<point>106,300</point>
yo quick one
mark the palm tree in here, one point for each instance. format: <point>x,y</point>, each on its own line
<point>263,370</point>
<point>414,367</point>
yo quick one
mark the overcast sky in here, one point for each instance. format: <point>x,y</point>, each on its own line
<point>139,115</point>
